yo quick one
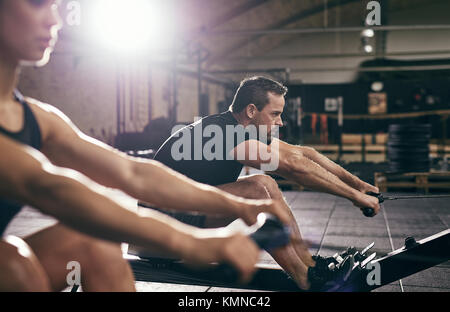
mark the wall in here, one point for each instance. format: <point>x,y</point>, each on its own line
<point>85,89</point>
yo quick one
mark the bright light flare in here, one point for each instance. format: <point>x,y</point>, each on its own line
<point>133,25</point>
<point>369,33</point>
<point>368,48</point>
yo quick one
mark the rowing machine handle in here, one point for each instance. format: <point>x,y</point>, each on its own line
<point>272,234</point>
<point>369,212</point>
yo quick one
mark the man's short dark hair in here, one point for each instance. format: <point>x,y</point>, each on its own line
<point>255,90</point>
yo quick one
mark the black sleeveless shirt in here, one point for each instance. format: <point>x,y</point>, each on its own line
<point>29,135</point>
<point>214,171</point>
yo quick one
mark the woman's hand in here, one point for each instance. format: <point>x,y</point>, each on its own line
<point>238,250</point>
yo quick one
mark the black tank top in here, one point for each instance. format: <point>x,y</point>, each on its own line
<point>213,172</point>
<point>29,135</point>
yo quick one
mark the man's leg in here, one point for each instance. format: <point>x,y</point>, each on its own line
<point>293,258</point>
<point>20,269</point>
<point>102,265</point>
<point>272,187</point>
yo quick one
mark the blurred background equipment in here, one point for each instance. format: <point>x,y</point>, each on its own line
<point>408,148</point>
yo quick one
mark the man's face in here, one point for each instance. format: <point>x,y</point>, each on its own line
<point>270,115</point>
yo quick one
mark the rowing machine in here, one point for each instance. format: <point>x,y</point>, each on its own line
<point>413,257</point>
<point>410,259</point>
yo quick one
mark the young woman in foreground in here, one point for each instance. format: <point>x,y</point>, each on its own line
<point>47,163</point>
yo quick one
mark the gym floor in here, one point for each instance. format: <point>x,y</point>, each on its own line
<point>333,224</point>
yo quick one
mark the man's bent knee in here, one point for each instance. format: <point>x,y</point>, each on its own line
<point>19,268</point>
<point>266,185</point>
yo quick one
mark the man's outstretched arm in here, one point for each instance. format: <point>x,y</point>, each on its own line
<point>293,165</point>
<point>332,167</point>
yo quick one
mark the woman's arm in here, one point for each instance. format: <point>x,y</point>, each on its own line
<point>146,180</point>
<point>28,177</point>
